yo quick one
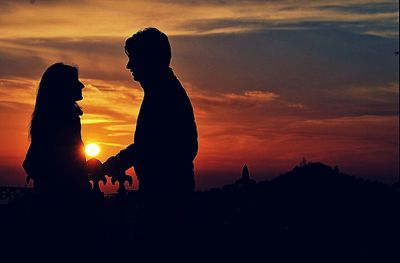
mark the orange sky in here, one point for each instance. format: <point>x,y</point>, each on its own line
<point>270,82</point>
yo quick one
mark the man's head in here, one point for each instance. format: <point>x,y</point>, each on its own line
<point>149,52</point>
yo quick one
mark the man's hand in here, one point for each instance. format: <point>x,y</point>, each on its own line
<point>95,174</point>
<point>98,169</point>
<point>108,166</point>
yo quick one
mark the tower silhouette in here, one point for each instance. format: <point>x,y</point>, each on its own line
<point>245,179</point>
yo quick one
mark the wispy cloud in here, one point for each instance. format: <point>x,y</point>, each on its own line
<point>84,18</point>
<point>254,96</point>
<point>251,97</point>
<point>97,118</point>
<point>21,91</point>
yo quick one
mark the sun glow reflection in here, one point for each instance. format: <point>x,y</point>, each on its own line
<point>92,149</point>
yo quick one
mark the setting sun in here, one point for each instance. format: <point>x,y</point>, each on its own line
<point>92,149</point>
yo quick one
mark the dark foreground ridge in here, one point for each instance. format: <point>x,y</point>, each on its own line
<point>313,213</point>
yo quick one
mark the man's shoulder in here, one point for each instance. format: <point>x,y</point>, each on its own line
<point>173,89</point>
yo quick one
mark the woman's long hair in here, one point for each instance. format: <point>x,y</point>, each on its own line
<point>53,97</point>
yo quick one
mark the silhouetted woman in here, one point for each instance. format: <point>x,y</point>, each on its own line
<point>55,159</point>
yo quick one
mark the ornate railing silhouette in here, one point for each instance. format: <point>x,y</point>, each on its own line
<point>10,193</point>
<point>13,193</point>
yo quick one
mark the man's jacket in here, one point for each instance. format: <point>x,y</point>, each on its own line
<point>165,141</point>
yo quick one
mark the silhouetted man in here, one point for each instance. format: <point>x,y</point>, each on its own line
<point>165,142</point>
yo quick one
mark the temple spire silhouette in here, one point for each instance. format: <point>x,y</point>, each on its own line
<point>245,179</point>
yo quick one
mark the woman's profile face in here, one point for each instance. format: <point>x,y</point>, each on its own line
<point>75,87</point>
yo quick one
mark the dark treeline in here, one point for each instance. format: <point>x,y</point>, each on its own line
<point>313,213</point>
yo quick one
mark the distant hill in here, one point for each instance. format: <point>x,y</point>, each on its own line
<point>313,212</point>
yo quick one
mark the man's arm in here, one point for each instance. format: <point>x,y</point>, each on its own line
<point>122,161</point>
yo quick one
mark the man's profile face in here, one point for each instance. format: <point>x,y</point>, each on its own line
<point>142,64</point>
<point>133,68</point>
<point>139,66</point>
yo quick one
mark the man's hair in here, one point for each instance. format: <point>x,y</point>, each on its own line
<point>149,44</point>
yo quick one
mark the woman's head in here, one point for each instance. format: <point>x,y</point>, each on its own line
<point>58,91</point>
<point>60,84</point>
